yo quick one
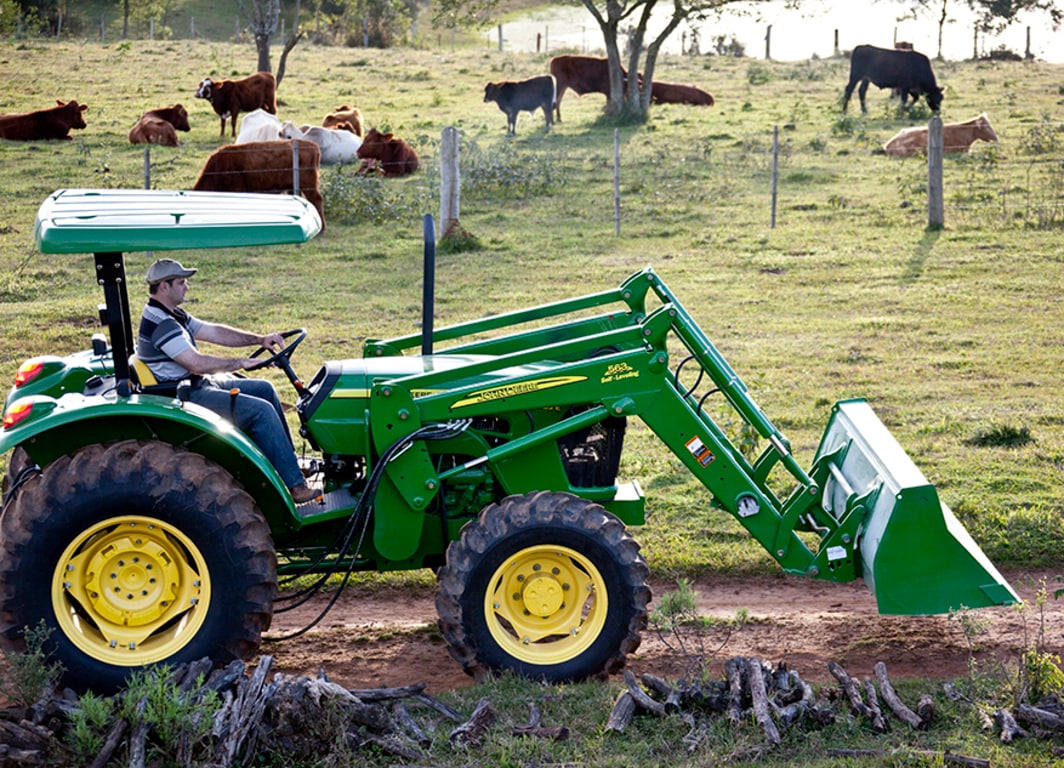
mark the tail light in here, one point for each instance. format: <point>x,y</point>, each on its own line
<point>27,372</point>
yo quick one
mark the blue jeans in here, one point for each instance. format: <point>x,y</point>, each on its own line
<point>257,412</point>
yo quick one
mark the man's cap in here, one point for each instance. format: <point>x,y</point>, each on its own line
<point>167,269</point>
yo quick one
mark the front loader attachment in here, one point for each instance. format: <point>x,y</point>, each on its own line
<point>916,557</point>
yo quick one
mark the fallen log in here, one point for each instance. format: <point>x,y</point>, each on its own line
<point>661,687</point>
<point>1010,729</point>
<point>534,727</point>
<point>948,758</point>
<point>879,725</point>
<point>849,687</point>
<point>734,671</point>
<point>641,697</point>
<point>472,731</point>
<point>897,706</point>
<point>622,713</point>
<point>759,696</point>
<point>1037,716</point>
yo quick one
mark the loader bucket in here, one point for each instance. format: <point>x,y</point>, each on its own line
<point>915,556</point>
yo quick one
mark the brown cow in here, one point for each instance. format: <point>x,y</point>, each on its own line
<point>957,138</point>
<point>231,97</point>
<point>582,74</point>
<point>160,126</point>
<point>53,123</point>
<point>263,166</point>
<point>345,117</point>
<point>674,93</point>
<point>392,156</point>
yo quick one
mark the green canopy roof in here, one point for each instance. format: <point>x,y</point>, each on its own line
<point>122,220</point>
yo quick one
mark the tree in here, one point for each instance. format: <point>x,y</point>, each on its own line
<point>263,20</point>
<point>937,7</point>
<point>994,16</point>
<point>451,14</point>
<point>629,99</point>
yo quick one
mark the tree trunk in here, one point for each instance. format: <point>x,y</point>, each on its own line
<point>262,45</point>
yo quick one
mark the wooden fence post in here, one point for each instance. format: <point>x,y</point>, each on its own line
<point>450,181</point>
<point>295,166</point>
<point>768,42</point>
<point>936,217</point>
<point>147,166</point>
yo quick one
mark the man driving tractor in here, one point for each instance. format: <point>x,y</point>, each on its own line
<point>166,343</point>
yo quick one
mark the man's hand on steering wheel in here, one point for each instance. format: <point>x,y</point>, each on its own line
<point>281,356</point>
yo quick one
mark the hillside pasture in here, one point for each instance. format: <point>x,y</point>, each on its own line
<point>952,334</point>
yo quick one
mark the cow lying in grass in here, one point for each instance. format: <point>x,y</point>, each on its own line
<point>957,138</point>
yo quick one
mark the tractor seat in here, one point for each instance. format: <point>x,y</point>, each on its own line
<point>140,373</point>
<point>143,381</point>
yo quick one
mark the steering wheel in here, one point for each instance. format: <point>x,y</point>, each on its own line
<point>282,358</point>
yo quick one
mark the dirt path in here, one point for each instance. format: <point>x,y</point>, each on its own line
<point>388,638</point>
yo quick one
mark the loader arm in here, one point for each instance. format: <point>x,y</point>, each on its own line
<point>863,509</point>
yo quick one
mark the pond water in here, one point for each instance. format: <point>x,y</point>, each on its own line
<point>795,34</point>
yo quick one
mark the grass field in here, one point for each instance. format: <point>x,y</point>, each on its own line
<point>953,335</point>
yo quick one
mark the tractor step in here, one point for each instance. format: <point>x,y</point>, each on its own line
<point>327,505</point>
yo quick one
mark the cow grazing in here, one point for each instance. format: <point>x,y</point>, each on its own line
<point>53,123</point>
<point>386,153</point>
<point>674,93</point>
<point>336,146</point>
<point>231,97</point>
<point>259,125</point>
<point>160,126</point>
<point>907,71</point>
<point>957,138</point>
<point>346,118</point>
<point>525,95</point>
<point>582,74</point>
<point>263,166</point>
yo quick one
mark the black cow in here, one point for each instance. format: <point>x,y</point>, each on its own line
<point>908,71</point>
<point>528,95</point>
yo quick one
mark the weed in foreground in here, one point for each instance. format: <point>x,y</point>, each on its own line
<point>31,673</point>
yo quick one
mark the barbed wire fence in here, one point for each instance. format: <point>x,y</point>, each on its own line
<point>1018,186</point>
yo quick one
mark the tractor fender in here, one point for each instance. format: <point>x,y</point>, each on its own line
<point>48,427</point>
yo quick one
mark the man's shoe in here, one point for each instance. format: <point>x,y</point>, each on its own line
<point>302,493</point>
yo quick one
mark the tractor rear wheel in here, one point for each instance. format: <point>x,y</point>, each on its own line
<point>131,554</point>
<point>547,585</point>
<point>18,462</point>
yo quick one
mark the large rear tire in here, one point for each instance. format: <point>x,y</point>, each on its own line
<point>548,585</point>
<point>132,554</point>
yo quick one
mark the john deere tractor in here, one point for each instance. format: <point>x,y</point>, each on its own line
<point>143,529</point>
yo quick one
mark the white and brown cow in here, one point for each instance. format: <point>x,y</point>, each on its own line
<point>957,138</point>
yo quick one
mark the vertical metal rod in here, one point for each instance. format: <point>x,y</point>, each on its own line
<point>428,289</point>
<point>775,173</point>
<point>617,181</point>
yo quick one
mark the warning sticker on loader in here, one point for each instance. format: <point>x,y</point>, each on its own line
<point>698,449</point>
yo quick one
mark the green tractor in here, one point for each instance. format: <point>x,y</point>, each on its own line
<point>142,529</point>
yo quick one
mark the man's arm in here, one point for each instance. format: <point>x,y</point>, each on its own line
<point>227,336</point>
<point>200,364</point>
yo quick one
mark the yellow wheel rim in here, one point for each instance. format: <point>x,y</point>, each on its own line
<point>546,605</point>
<point>131,591</point>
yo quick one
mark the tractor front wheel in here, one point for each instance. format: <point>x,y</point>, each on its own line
<point>131,554</point>
<point>547,585</point>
